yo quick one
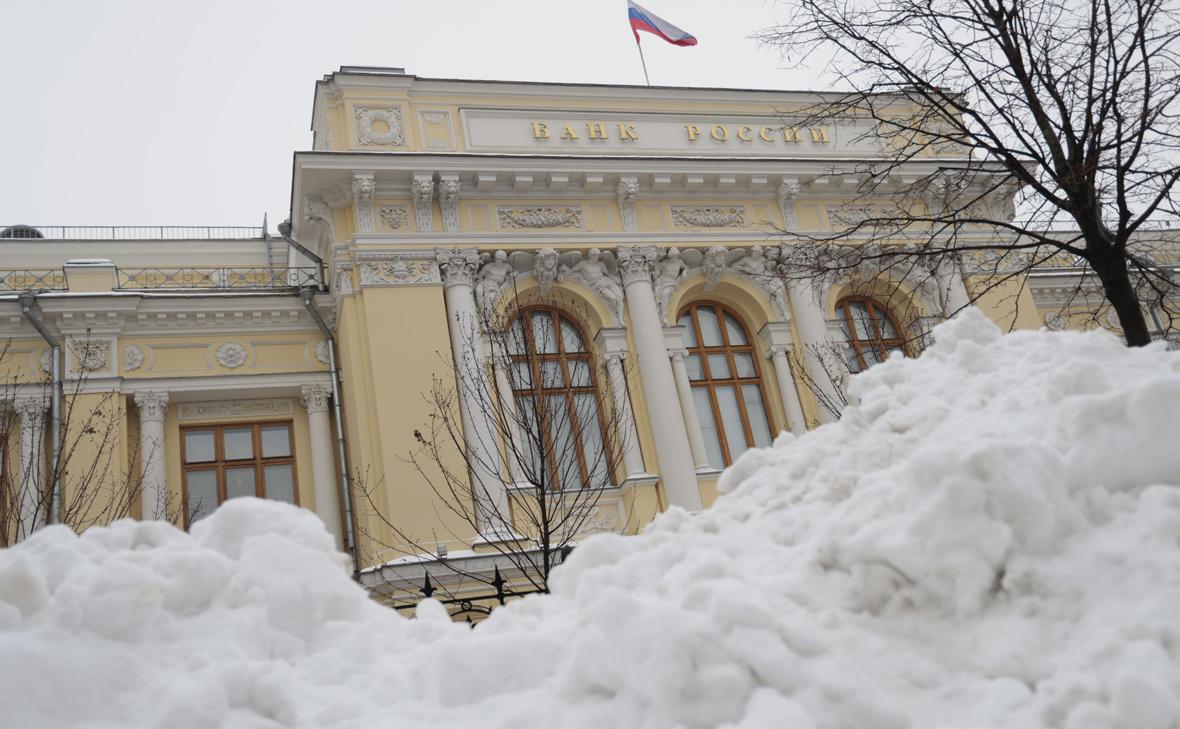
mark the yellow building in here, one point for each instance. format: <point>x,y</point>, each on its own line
<point>639,220</point>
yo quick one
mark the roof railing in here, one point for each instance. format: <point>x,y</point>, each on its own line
<point>131,232</point>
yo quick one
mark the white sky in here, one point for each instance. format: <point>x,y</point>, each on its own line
<point>157,112</point>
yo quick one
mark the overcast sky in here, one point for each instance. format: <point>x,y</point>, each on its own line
<point>187,113</point>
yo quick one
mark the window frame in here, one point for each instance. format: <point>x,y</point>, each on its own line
<point>220,463</point>
<point>880,346</point>
<point>536,358</point>
<point>709,383</point>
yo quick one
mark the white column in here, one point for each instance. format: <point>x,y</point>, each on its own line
<point>688,407</point>
<point>632,457</point>
<point>458,267</point>
<point>813,331</point>
<point>32,500</point>
<point>152,404</point>
<point>776,337</point>
<point>514,450</point>
<point>655,371</point>
<point>323,465</point>
<point>950,284</point>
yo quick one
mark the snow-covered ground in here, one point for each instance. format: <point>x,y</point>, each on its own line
<point>991,538</point>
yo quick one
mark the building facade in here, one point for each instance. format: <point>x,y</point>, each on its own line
<point>641,221</point>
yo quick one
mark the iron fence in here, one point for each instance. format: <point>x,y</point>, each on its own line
<point>48,279</point>
<point>468,606</point>
<point>141,279</point>
<point>132,232</point>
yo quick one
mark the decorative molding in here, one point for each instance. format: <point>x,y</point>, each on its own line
<point>315,398</point>
<point>787,193</point>
<point>152,404</point>
<point>546,268</point>
<point>90,354</point>
<point>851,216</point>
<point>593,272</point>
<point>394,216</point>
<point>670,270</point>
<point>540,217</point>
<point>392,117</point>
<point>716,259</point>
<point>364,185</point>
<point>321,352</point>
<point>30,408</point>
<point>132,357</point>
<point>458,266</point>
<point>319,213</point>
<point>45,361</point>
<point>343,281</point>
<point>627,192</point>
<point>434,117</point>
<point>399,269</point>
<point>709,217</point>
<point>448,201</point>
<point>636,263</point>
<point>1056,321</point>
<point>494,276</point>
<point>422,192</point>
<point>231,355</point>
<point>234,409</point>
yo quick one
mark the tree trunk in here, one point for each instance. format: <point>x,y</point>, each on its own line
<point>1119,291</point>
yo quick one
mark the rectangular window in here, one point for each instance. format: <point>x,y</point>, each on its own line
<point>222,462</point>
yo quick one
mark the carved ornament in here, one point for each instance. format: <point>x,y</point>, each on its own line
<point>392,119</point>
<point>709,217</point>
<point>540,217</point>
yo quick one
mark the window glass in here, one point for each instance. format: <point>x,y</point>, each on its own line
<point>561,431</point>
<point>592,444</point>
<point>752,396</point>
<point>238,443</point>
<point>579,372</point>
<point>860,320</point>
<point>551,377</point>
<point>731,419</point>
<point>710,330</point>
<point>239,481</point>
<point>734,331</point>
<point>690,337</point>
<point>719,367</point>
<point>709,432</point>
<point>516,343</point>
<point>276,441</point>
<point>570,339</point>
<point>693,363</point>
<point>744,363</point>
<point>198,446</point>
<point>522,375</point>
<point>544,338</point>
<point>201,493</point>
<point>279,482</point>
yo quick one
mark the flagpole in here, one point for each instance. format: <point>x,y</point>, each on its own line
<point>642,59</point>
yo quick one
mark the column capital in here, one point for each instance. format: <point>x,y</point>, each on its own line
<point>152,405</point>
<point>30,406</point>
<point>315,397</point>
<point>636,263</point>
<point>458,266</point>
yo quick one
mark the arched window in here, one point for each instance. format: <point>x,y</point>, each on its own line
<point>726,381</point>
<point>870,332</point>
<point>556,398</point>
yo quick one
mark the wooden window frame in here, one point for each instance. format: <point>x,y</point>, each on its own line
<point>880,346</point>
<point>536,358</point>
<point>709,383</point>
<point>220,463</point>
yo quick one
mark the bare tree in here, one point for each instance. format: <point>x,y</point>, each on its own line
<point>556,442</point>
<point>1070,105</point>
<point>97,477</point>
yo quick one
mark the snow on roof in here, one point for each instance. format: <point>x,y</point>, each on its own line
<point>987,539</point>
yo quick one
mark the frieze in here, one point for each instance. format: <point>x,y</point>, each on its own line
<point>394,216</point>
<point>392,118</point>
<point>540,217</point>
<point>709,217</point>
<point>400,269</point>
<point>234,409</point>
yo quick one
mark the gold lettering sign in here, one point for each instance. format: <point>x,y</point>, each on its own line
<point>628,132</point>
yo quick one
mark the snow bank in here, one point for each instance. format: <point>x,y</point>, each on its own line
<point>991,538</point>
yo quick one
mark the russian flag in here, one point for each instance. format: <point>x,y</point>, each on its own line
<point>649,22</point>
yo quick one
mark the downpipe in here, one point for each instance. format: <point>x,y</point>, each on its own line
<point>308,296</point>
<point>32,315</point>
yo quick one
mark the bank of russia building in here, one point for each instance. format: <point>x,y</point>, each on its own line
<point>412,187</point>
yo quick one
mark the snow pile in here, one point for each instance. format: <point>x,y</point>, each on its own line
<point>991,538</point>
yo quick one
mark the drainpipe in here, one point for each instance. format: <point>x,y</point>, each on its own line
<point>285,232</point>
<point>308,296</point>
<point>27,302</point>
